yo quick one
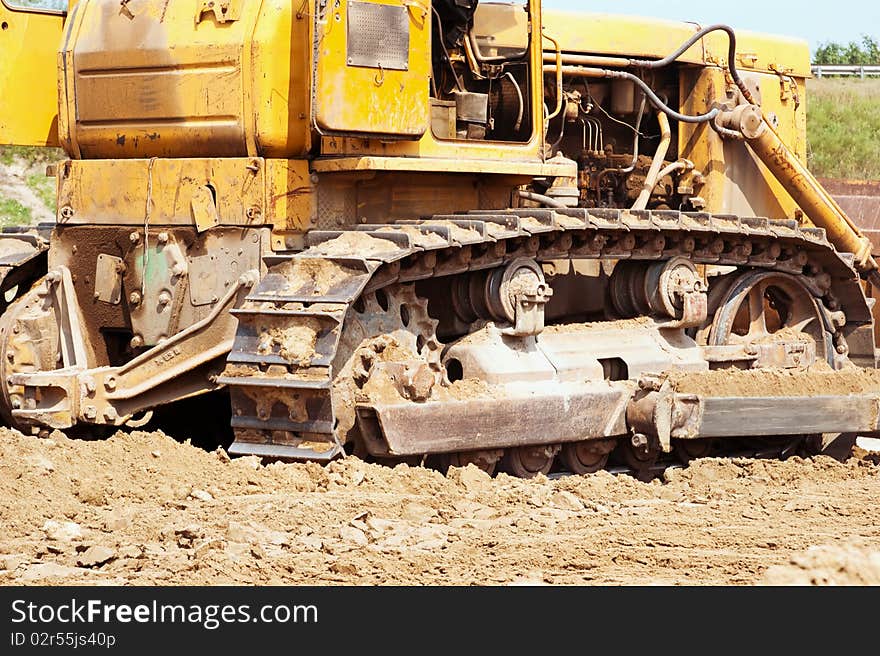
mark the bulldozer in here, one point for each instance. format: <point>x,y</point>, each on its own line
<point>447,232</point>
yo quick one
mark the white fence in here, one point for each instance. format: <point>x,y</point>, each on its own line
<point>825,70</point>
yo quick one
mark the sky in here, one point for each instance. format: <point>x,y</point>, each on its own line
<point>816,21</point>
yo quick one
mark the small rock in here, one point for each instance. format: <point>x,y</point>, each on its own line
<point>41,463</point>
<point>191,532</point>
<point>222,456</point>
<point>471,477</point>
<point>156,454</point>
<point>258,552</point>
<point>378,526</point>
<point>117,521</point>
<point>346,569</point>
<point>96,556</point>
<point>62,531</point>
<point>11,562</point>
<point>201,495</point>
<point>352,534</point>
<point>131,551</point>
<point>416,512</point>
<point>565,500</point>
<point>248,462</point>
<point>42,571</point>
<point>204,547</point>
<point>312,542</point>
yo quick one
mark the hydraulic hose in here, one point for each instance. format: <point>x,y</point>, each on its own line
<point>731,56</point>
<point>584,71</point>
<point>656,164</point>
<point>541,198</point>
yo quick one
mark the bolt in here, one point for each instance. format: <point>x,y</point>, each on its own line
<point>53,278</point>
<point>110,383</point>
<point>110,414</point>
<point>639,441</point>
<point>137,341</point>
<point>66,212</point>
<point>135,298</point>
<point>90,412</point>
<point>16,403</point>
<point>164,299</point>
<point>10,355</point>
<point>750,349</point>
<point>134,237</point>
<point>841,349</point>
<point>163,237</point>
<point>90,385</point>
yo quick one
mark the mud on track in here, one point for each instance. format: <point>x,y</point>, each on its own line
<point>142,508</point>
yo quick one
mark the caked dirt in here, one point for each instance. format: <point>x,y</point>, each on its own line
<point>142,508</point>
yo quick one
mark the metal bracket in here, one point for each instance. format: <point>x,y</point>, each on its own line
<point>225,11</point>
<point>204,209</point>
<point>530,312</point>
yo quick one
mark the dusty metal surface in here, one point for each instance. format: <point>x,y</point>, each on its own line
<point>299,392</point>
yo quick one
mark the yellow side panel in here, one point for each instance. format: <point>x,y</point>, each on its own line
<point>158,80</point>
<point>654,38</point>
<point>371,77</point>
<point>281,83</point>
<point>736,181</point>
<point>28,77</point>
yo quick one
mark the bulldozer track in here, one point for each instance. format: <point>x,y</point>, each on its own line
<point>279,389</point>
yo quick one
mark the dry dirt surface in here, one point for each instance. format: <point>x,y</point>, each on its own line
<point>141,508</point>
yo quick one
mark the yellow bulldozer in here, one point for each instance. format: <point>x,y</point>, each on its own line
<point>445,231</point>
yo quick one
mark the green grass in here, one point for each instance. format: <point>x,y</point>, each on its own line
<point>843,128</point>
<point>32,155</point>
<point>13,213</point>
<point>44,188</point>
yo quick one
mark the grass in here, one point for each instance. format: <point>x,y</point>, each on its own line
<point>14,213</point>
<point>31,155</point>
<point>44,188</point>
<point>843,128</point>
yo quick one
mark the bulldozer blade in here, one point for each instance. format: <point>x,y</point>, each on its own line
<point>533,414</point>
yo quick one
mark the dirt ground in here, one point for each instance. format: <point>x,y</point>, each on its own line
<point>144,509</point>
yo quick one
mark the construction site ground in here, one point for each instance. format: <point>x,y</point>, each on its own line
<point>145,509</point>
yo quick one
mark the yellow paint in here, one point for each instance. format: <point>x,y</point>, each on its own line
<point>160,191</point>
<point>458,155</point>
<point>29,110</point>
<point>651,38</point>
<point>428,165</point>
<point>369,99</point>
<point>736,181</point>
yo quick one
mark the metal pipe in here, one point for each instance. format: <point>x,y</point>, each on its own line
<point>589,60</point>
<point>653,172</point>
<point>683,164</point>
<point>635,160</point>
<point>583,71</point>
<point>541,198</point>
<point>558,76</point>
<point>802,186</point>
<point>519,116</point>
